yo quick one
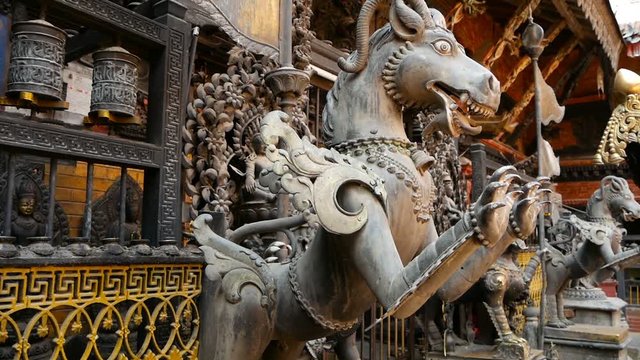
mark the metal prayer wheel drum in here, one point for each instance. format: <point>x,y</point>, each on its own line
<point>37,59</point>
<point>115,75</point>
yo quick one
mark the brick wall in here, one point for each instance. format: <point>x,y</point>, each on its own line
<point>71,185</point>
<point>577,193</point>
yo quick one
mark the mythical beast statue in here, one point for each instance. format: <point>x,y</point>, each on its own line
<point>370,196</point>
<point>597,244</point>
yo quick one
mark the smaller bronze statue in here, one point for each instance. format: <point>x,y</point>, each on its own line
<point>27,222</point>
<point>596,250</point>
<point>506,285</point>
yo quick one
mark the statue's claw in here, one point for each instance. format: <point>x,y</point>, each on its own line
<point>512,339</point>
<point>530,189</point>
<point>277,252</point>
<point>501,173</point>
<point>523,217</point>
<point>557,324</point>
<point>495,191</point>
<point>492,222</point>
<point>494,205</point>
<point>543,180</point>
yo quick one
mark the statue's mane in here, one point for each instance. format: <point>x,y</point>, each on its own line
<point>381,37</point>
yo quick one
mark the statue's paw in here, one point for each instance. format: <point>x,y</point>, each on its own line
<point>556,324</point>
<point>277,252</point>
<point>513,339</point>
<point>493,208</point>
<point>567,322</point>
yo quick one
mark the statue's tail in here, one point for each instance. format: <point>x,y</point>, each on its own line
<point>233,264</point>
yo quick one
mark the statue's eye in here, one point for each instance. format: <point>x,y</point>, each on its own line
<point>442,46</point>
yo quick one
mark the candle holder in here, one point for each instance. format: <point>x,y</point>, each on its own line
<point>287,84</point>
<point>40,245</point>
<point>7,247</point>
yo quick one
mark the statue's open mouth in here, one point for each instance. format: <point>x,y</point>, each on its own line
<point>459,110</point>
<point>464,102</point>
<point>629,215</point>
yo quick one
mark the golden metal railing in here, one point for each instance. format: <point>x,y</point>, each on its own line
<point>138,311</point>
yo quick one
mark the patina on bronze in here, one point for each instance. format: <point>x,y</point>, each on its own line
<point>367,247</point>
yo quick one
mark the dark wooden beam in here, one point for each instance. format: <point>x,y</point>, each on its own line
<point>508,36</point>
<point>525,60</point>
<point>84,43</point>
<point>570,80</point>
<point>572,22</point>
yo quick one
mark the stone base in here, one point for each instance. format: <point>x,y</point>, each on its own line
<point>605,311</point>
<point>588,342</point>
<point>484,352</point>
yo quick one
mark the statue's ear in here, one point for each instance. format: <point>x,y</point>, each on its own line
<point>617,184</point>
<point>406,22</point>
<point>438,18</point>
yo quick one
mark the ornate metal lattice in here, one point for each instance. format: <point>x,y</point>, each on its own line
<point>104,312</point>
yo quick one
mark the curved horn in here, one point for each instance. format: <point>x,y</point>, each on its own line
<point>406,22</point>
<point>362,39</point>
<point>423,10</point>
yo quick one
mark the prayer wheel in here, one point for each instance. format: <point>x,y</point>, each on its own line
<point>37,59</point>
<point>115,75</point>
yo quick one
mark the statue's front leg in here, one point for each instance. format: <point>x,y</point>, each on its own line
<point>495,284</point>
<point>483,225</point>
<point>560,304</point>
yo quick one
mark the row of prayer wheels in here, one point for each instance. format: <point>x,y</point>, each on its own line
<point>35,72</point>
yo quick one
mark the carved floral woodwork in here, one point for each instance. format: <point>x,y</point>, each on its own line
<point>233,103</point>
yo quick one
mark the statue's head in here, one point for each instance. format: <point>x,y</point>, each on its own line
<point>614,194</point>
<point>424,65</point>
<point>26,194</point>
<point>447,183</point>
<point>258,144</point>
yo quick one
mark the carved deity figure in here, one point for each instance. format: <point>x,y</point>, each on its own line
<point>132,218</point>
<point>257,162</point>
<point>368,195</point>
<point>596,251</point>
<point>451,208</point>
<point>27,221</point>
